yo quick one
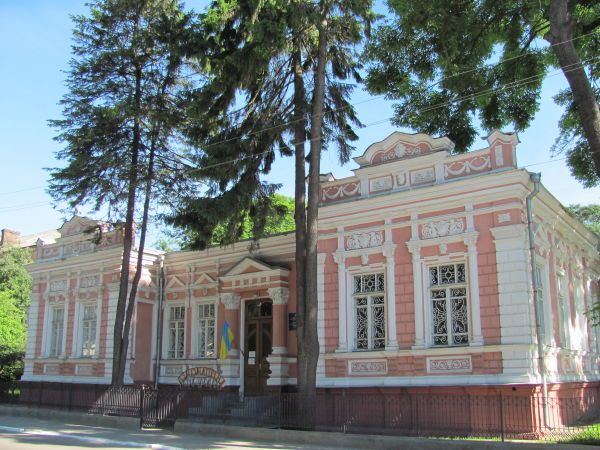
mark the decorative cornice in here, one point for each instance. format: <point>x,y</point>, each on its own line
<point>230,300</point>
<point>279,295</point>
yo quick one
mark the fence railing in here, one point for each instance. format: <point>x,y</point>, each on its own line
<point>409,414</point>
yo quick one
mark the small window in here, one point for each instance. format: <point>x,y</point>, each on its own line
<point>369,311</point>
<point>89,325</point>
<point>206,330</point>
<point>176,332</point>
<point>449,308</point>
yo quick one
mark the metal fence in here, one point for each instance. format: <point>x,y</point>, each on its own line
<point>408,414</point>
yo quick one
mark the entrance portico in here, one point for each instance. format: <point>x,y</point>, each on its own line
<point>256,307</point>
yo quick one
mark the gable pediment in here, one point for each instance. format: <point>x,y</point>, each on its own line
<point>175,282</point>
<point>249,265</point>
<point>77,225</point>
<point>205,279</point>
<point>398,146</point>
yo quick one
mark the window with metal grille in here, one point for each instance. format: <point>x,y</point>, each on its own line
<point>206,330</point>
<point>449,307</point>
<point>88,328</point>
<point>57,316</point>
<point>176,332</point>
<point>369,311</point>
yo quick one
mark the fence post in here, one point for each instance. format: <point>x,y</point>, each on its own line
<point>501,417</point>
<point>142,406</point>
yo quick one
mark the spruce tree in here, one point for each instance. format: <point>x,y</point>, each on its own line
<point>120,127</point>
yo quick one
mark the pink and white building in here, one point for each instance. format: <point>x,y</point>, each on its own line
<point>425,280</point>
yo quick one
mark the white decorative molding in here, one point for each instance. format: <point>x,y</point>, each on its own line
<point>401,179</point>
<point>504,217</point>
<point>364,259</point>
<point>440,228</point>
<point>88,282</point>
<point>341,191</point>
<point>380,184</point>
<point>84,369</point>
<point>499,155</point>
<point>77,248</point>
<point>58,285</point>
<point>442,364</point>
<point>230,300</point>
<point>400,151</point>
<point>477,164</point>
<point>173,370</point>
<point>364,240</point>
<point>51,369</point>
<point>443,247</point>
<point>422,176</point>
<point>367,367</point>
<point>279,295</point>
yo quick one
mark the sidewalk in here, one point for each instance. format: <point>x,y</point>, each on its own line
<point>28,428</point>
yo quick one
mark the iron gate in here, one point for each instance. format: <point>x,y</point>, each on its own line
<point>158,408</point>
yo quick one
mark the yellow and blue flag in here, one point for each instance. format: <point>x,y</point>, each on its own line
<point>226,341</point>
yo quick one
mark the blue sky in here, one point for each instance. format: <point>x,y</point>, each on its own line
<point>34,51</point>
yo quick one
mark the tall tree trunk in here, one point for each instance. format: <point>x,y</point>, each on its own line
<point>307,363</point>
<point>561,35</point>
<point>300,197</point>
<point>118,369</point>
<point>140,259</point>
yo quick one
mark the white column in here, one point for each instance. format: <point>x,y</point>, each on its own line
<point>76,344</point>
<point>388,251</point>
<point>340,259</point>
<point>415,249</point>
<point>476,335</point>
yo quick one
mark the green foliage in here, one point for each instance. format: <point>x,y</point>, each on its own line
<point>14,277</point>
<point>124,85</point>
<point>456,65</point>
<point>589,215</point>
<point>249,106</point>
<point>12,337</point>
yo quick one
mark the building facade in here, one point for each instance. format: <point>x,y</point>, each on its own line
<point>425,281</point>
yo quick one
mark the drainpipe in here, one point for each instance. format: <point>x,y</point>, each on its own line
<point>537,306</point>
<point>161,292</point>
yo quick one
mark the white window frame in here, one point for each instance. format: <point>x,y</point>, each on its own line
<point>91,352</point>
<point>60,347</point>
<point>167,354</point>
<point>370,306</point>
<point>548,321</point>
<point>563,308</point>
<point>429,302</point>
<point>196,351</point>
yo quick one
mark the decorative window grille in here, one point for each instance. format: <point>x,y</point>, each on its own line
<point>176,331</point>
<point>56,331</point>
<point>206,330</point>
<point>89,325</point>
<point>369,310</point>
<point>449,307</point>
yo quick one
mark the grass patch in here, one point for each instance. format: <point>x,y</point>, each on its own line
<point>589,436</point>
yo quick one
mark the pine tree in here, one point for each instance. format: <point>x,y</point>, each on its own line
<point>120,126</point>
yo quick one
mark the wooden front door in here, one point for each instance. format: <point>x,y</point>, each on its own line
<point>259,345</point>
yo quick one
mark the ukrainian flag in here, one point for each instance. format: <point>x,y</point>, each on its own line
<point>226,341</point>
